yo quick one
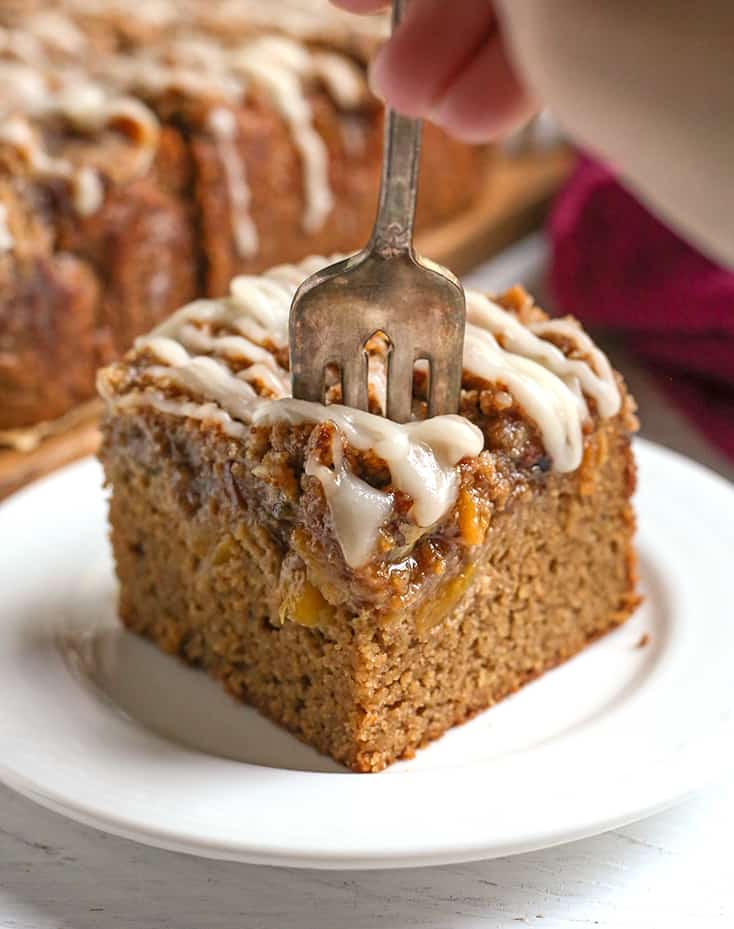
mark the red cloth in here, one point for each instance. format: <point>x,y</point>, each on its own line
<point>616,267</point>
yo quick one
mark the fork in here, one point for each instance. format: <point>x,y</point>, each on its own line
<point>385,288</point>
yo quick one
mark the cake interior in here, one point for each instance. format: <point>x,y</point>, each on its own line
<point>211,570</point>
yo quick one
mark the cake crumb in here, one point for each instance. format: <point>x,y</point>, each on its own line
<point>643,640</point>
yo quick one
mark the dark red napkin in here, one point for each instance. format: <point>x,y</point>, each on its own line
<point>616,267</point>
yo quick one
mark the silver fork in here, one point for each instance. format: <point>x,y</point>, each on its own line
<point>417,304</point>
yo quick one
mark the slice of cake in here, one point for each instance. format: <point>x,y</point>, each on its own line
<point>368,585</point>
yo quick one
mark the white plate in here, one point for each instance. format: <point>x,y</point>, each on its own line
<point>97,724</point>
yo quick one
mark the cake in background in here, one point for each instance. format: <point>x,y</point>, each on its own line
<point>150,152</point>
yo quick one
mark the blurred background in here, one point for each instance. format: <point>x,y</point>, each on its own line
<point>147,157</point>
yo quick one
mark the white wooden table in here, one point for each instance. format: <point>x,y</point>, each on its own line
<point>673,871</point>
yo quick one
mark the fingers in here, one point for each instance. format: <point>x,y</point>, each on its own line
<point>486,99</point>
<point>429,49</point>
<point>447,62</point>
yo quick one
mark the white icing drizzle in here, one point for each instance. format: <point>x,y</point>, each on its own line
<point>202,52</point>
<point>278,65</point>
<point>257,307</point>
<point>422,455</point>
<point>203,412</point>
<point>236,347</point>
<point>6,239</point>
<point>262,303</point>
<point>210,379</point>
<point>55,31</point>
<point>357,509</point>
<point>17,132</point>
<point>20,44</point>
<point>275,381</point>
<point>23,87</point>
<point>549,386</point>
<point>307,18</point>
<point>85,184</point>
<point>92,112</point>
<point>597,380</point>
<point>160,13</point>
<point>85,104</point>
<point>148,75</point>
<point>86,107</point>
<point>224,127</point>
<point>262,367</point>
<point>167,350</point>
<point>341,77</point>
<point>545,399</point>
<point>88,191</point>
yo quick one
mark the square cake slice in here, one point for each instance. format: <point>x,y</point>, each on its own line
<point>365,584</point>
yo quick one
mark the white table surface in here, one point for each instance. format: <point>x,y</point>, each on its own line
<point>672,870</point>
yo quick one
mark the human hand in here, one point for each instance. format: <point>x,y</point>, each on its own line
<point>647,86</point>
<point>448,62</point>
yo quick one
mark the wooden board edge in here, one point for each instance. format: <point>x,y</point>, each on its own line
<point>20,468</point>
<point>514,201</point>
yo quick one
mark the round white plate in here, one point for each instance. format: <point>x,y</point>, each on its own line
<point>99,725</point>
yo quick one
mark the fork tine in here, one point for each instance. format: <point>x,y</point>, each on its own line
<point>384,288</point>
<point>354,380</point>
<point>444,385</point>
<point>400,384</point>
<point>307,380</point>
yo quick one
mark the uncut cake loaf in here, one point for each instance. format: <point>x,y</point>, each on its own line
<point>366,584</point>
<point>151,151</point>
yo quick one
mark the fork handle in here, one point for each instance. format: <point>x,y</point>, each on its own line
<point>393,229</point>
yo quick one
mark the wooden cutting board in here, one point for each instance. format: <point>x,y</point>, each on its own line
<point>514,201</point>
<point>20,468</point>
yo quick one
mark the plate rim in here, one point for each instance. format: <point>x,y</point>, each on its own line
<point>334,860</point>
<point>255,852</point>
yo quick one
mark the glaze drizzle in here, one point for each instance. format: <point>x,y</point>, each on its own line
<point>220,355</point>
<point>194,52</point>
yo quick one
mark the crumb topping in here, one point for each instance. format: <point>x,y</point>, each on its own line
<point>532,387</point>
